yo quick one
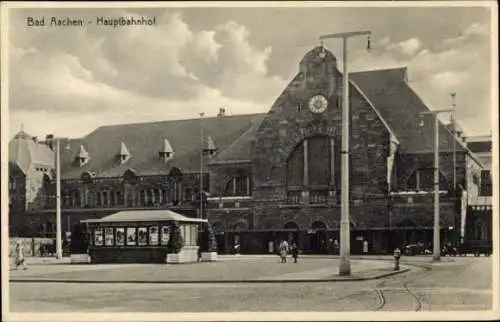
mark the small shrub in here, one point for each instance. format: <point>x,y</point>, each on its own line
<point>175,242</point>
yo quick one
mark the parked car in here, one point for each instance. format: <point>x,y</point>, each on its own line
<point>415,249</point>
<point>476,247</point>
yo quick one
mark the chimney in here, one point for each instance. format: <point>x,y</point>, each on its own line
<point>49,140</point>
<point>222,112</point>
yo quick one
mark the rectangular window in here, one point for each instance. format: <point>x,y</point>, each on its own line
<point>98,198</point>
<point>119,198</point>
<point>153,235</point>
<point>142,236</point>
<point>98,238</point>
<point>131,236</point>
<point>164,235</point>
<point>120,236</point>
<point>142,198</point>
<point>112,199</point>
<point>486,189</point>
<point>108,236</point>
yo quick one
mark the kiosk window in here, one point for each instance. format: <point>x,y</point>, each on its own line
<point>164,235</point>
<point>120,236</point>
<point>131,237</point>
<point>153,235</point>
<point>108,236</point>
<point>143,236</point>
<point>98,237</point>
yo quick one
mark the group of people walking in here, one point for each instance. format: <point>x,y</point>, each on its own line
<point>284,249</point>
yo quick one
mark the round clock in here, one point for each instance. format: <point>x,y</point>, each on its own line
<point>318,104</point>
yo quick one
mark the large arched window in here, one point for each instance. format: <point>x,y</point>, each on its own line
<point>314,164</point>
<point>423,180</point>
<point>239,186</point>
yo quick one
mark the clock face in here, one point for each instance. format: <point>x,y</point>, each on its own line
<point>318,104</point>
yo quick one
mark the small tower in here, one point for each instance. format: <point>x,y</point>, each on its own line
<point>123,155</point>
<point>166,153</point>
<point>82,157</point>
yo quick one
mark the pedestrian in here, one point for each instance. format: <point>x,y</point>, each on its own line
<point>336,246</point>
<point>283,248</point>
<point>365,246</point>
<point>20,260</point>
<point>295,252</point>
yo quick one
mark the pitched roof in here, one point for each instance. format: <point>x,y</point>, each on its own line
<point>144,216</point>
<point>240,149</point>
<point>145,140</point>
<point>25,152</point>
<point>399,105</point>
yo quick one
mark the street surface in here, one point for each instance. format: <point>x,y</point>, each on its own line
<point>464,284</point>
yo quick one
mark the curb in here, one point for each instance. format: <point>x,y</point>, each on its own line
<point>255,281</point>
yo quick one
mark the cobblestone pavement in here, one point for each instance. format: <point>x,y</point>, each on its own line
<point>236,268</point>
<point>464,284</point>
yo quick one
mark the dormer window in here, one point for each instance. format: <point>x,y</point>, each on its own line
<point>210,148</point>
<point>167,152</point>
<point>123,155</point>
<point>82,157</point>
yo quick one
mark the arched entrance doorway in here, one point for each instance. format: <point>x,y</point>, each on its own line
<point>292,232</point>
<point>319,238</point>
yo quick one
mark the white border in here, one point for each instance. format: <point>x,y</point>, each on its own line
<point>243,316</point>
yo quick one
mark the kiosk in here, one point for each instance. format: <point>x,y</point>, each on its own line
<point>140,236</point>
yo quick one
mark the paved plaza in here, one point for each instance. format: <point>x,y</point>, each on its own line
<point>425,287</point>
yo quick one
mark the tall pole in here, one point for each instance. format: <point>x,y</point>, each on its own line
<point>436,256</point>
<point>453,123</point>
<point>201,165</point>
<point>345,242</point>
<point>345,264</point>
<point>58,202</point>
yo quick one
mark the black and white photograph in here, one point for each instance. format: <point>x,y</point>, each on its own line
<point>326,160</point>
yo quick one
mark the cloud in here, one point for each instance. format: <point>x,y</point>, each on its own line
<point>131,74</point>
<point>408,47</point>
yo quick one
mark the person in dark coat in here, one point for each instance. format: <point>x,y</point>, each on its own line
<point>295,252</point>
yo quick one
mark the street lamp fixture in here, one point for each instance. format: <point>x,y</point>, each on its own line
<point>345,265</point>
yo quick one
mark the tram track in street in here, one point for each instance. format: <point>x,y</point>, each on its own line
<point>395,294</point>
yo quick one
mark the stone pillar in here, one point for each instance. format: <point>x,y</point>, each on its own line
<point>248,186</point>
<point>234,186</point>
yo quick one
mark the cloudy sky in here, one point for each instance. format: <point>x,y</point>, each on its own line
<point>68,81</point>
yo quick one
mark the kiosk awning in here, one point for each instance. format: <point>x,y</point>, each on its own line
<point>144,215</point>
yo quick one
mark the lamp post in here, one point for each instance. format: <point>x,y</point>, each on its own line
<point>58,198</point>
<point>201,165</point>
<point>436,255</point>
<point>345,265</point>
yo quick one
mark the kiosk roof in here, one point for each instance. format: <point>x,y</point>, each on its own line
<point>144,215</point>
